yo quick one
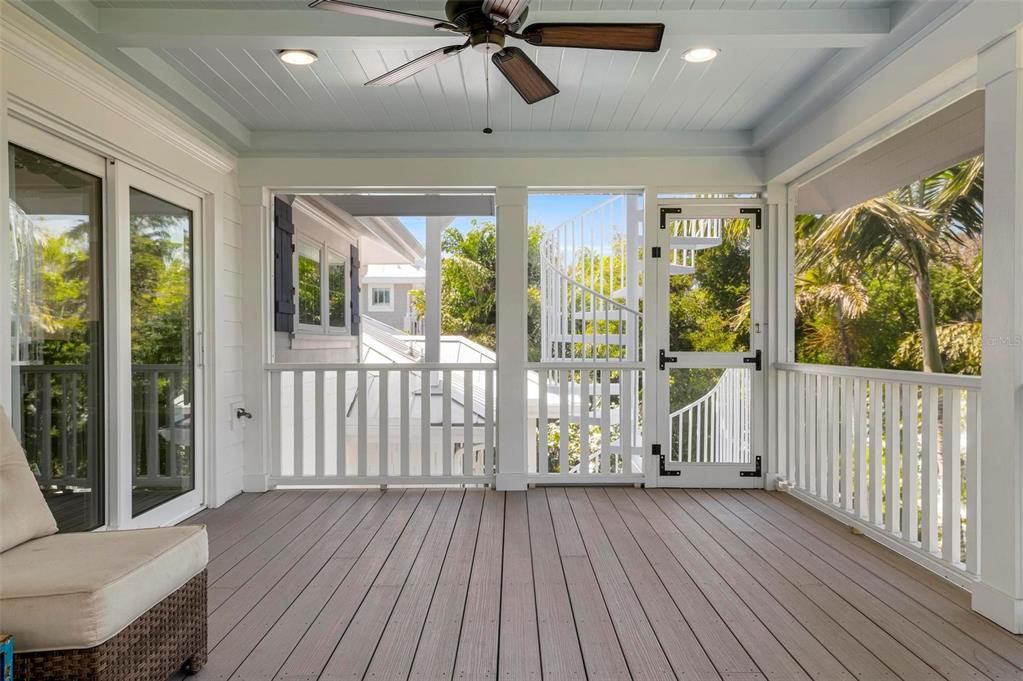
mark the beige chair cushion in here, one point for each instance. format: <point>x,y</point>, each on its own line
<point>78,590</point>
<point>24,514</point>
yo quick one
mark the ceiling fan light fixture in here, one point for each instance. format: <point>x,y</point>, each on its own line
<point>699,55</point>
<point>297,57</point>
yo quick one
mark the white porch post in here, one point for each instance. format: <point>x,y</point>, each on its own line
<point>512,256</point>
<point>257,221</point>
<point>779,343</point>
<point>999,595</point>
<point>431,323</point>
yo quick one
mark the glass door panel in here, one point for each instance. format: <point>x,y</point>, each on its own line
<point>57,334</point>
<point>162,329</point>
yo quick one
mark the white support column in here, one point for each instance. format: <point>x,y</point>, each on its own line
<point>6,395</point>
<point>999,594</point>
<point>512,255</point>
<point>655,396</point>
<point>257,225</point>
<point>435,227</point>
<point>778,345</point>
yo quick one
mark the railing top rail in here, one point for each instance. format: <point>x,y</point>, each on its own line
<point>584,363</point>
<point>887,375</point>
<point>411,366</point>
<point>588,211</point>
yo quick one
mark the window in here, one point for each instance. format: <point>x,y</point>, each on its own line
<point>380,298</point>
<point>322,292</point>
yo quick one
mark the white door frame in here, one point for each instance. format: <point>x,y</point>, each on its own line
<point>127,178</point>
<point>704,474</point>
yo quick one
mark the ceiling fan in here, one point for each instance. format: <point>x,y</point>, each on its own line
<point>487,23</point>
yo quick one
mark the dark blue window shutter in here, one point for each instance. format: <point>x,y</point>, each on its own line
<point>284,276</point>
<point>354,274</point>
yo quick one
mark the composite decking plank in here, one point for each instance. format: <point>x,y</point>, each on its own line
<point>724,649</point>
<point>392,658</point>
<point>297,562</point>
<point>891,612</point>
<point>842,629</point>
<point>352,655</point>
<point>655,638</point>
<point>790,507</point>
<point>519,644</point>
<point>223,539</point>
<point>560,655</point>
<point>339,604</point>
<point>222,527</point>
<point>438,643</point>
<point>263,600</point>
<point>478,642</point>
<point>915,584</point>
<point>602,652</point>
<point>669,521</point>
<point>815,659</point>
<point>307,505</point>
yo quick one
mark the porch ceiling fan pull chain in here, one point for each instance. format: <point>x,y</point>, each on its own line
<point>486,78</point>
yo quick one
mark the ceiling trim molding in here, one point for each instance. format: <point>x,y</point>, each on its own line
<point>514,143</point>
<point>25,39</point>
<point>269,28</point>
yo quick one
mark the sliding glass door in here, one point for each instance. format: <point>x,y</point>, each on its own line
<point>56,257</point>
<point>106,383</point>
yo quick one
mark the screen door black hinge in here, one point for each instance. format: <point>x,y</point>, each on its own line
<point>757,215</point>
<point>663,359</point>
<point>655,251</point>
<point>755,473</point>
<point>665,212</point>
<point>656,451</point>
<point>756,359</point>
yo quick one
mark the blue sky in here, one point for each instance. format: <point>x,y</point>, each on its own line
<point>546,209</point>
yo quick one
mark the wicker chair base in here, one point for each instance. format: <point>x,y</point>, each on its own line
<point>170,637</point>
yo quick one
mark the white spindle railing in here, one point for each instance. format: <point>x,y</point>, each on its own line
<point>589,284</point>
<point>895,452</point>
<point>716,427</point>
<point>587,424</point>
<point>382,423</point>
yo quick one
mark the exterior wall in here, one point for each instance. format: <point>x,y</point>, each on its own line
<point>48,84</point>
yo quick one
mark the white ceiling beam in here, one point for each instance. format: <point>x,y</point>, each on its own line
<point>262,28</point>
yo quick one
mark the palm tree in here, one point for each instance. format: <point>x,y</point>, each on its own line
<point>909,227</point>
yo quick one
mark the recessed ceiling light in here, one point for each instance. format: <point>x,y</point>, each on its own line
<point>698,55</point>
<point>297,57</point>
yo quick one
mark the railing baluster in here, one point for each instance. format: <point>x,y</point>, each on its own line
<point>468,403</point>
<point>584,421</point>
<point>848,443</point>
<point>384,424</point>
<point>172,433</point>
<point>298,452</point>
<point>876,453</point>
<point>489,454</point>
<point>542,425</point>
<point>45,425</point>
<point>835,454</point>
<point>605,420</point>
<point>972,482</point>
<point>910,457</point>
<point>404,396</point>
<point>564,411</point>
<point>276,436</point>
<point>446,422</point>
<point>860,405</point>
<point>342,424</point>
<point>151,414</point>
<point>929,474</point>
<point>320,417</point>
<point>362,399</point>
<point>62,429</point>
<point>799,433</point>
<point>812,425</point>
<point>951,478</point>
<point>892,477</point>
<point>425,443</point>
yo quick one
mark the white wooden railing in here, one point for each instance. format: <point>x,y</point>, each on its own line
<point>56,419</point>
<point>895,452</point>
<point>382,423</point>
<point>587,425</point>
<point>716,427</point>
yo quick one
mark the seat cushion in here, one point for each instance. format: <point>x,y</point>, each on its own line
<point>78,590</point>
<point>24,514</point>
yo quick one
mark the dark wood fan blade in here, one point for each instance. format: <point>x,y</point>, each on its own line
<point>378,13</point>
<point>416,65</point>
<point>525,76</point>
<point>630,37</point>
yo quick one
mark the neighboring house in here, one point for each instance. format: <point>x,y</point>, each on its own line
<point>385,294</point>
